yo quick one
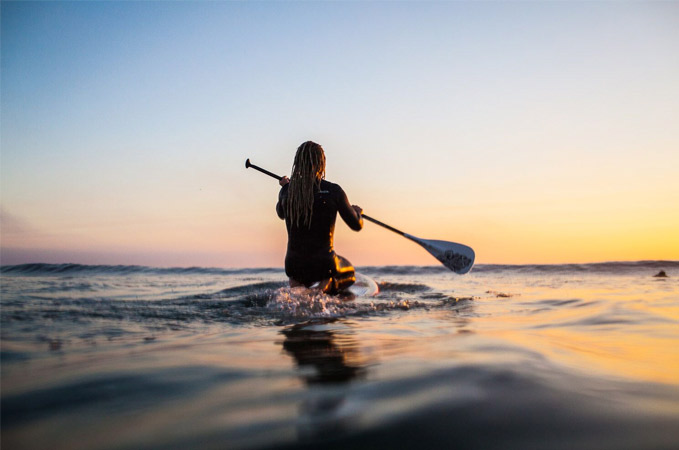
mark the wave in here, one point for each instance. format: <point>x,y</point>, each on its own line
<point>410,288</point>
<point>74,269</point>
<point>612,267</point>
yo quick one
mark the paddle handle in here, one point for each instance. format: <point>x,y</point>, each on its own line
<point>248,164</point>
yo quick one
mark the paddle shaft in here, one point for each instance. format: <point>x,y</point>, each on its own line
<point>390,228</point>
<point>248,164</point>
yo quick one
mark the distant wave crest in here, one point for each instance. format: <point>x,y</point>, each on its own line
<point>72,269</point>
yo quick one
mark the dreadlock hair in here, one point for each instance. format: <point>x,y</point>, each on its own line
<point>307,172</point>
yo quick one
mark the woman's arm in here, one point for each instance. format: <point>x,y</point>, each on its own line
<point>282,195</point>
<point>351,214</point>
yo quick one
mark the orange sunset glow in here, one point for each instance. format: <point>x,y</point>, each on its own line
<point>534,134</point>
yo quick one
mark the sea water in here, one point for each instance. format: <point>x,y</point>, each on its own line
<point>506,357</point>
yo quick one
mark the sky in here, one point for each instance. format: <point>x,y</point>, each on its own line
<point>534,132</point>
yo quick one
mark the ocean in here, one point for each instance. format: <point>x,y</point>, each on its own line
<point>581,356</point>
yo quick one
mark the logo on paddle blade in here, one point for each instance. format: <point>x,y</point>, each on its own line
<point>454,261</point>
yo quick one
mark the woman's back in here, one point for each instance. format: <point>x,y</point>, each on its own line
<point>317,238</point>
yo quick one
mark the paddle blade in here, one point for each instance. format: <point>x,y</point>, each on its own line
<point>457,257</point>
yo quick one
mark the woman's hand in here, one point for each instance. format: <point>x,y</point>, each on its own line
<point>283,181</point>
<point>358,210</point>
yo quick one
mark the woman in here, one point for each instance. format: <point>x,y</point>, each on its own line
<point>309,204</point>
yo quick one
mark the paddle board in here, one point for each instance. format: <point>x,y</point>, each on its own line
<point>363,287</point>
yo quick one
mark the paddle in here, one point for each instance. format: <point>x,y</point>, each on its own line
<point>457,257</point>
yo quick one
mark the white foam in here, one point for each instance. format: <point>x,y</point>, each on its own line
<point>303,303</point>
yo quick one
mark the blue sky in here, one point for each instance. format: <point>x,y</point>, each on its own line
<point>507,126</point>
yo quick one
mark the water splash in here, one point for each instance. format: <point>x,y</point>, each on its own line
<point>303,303</point>
<point>299,303</point>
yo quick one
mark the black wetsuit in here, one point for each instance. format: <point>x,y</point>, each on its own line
<point>310,256</point>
